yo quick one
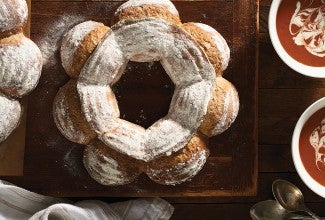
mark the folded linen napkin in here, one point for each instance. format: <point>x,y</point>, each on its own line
<point>19,204</point>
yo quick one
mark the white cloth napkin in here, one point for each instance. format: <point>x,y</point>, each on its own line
<point>20,204</point>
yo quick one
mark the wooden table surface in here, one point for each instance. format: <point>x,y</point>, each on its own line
<point>283,96</point>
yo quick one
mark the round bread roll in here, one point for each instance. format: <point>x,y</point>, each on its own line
<point>214,45</point>
<point>79,43</point>
<point>10,113</point>
<point>68,116</point>
<point>21,65</point>
<point>13,16</point>
<point>222,109</point>
<point>180,166</point>
<point>108,167</point>
<point>136,9</point>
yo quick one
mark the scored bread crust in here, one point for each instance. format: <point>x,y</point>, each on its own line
<point>21,64</point>
<point>79,43</point>
<point>213,44</point>
<point>180,166</point>
<point>68,116</point>
<point>192,75</point>
<point>10,114</point>
<point>109,167</point>
<point>222,109</point>
<point>174,149</point>
<point>13,17</point>
<point>147,11</point>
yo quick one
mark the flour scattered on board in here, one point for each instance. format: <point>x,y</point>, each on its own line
<point>50,42</point>
<point>72,162</point>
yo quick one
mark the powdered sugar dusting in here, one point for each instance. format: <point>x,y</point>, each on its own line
<point>235,105</point>
<point>181,172</point>
<point>20,67</point>
<point>72,40</point>
<point>105,169</point>
<point>13,13</point>
<point>10,112</point>
<point>189,104</point>
<point>107,57</point>
<point>230,111</point>
<point>64,122</point>
<point>50,42</point>
<point>134,3</point>
<point>126,138</point>
<point>99,106</point>
<point>183,61</point>
<point>220,44</point>
<point>71,162</point>
<point>145,40</point>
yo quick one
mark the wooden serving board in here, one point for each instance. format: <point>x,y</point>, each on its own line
<point>53,165</point>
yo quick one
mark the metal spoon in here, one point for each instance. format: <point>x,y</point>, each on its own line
<point>290,197</point>
<point>272,210</point>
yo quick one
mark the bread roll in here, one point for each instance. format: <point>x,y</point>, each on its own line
<point>68,116</point>
<point>214,45</point>
<point>109,167</point>
<point>136,9</point>
<point>222,109</point>
<point>180,166</point>
<point>79,43</point>
<point>21,65</point>
<point>13,16</point>
<point>10,113</point>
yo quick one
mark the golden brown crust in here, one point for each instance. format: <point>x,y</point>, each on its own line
<point>147,11</point>
<point>9,91</point>
<point>14,31</point>
<point>12,40</point>
<point>205,40</point>
<point>108,166</point>
<point>68,115</point>
<point>222,108</point>
<point>172,169</point>
<point>125,162</point>
<point>87,46</point>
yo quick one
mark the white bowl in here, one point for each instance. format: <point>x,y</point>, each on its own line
<point>317,72</point>
<point>304,175</point>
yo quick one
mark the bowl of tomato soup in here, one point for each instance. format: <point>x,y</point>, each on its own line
<point>308,147</point>
<point>297,32</point>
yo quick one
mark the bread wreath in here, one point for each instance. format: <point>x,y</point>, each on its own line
<point>20,64</point>
<point>174,148</point>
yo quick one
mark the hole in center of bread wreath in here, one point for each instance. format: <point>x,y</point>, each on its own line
<point>146,40</point>
<point>143,93</point>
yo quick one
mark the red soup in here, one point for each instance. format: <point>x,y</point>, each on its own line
<point>301,29</point>
<point>312,146</point>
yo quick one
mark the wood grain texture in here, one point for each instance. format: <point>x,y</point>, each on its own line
<point>232,167</point>
<point>278,86</point>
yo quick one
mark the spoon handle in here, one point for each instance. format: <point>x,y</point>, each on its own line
<point>292,216</point>
<point>316,217</point>
<point>301,218</point>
